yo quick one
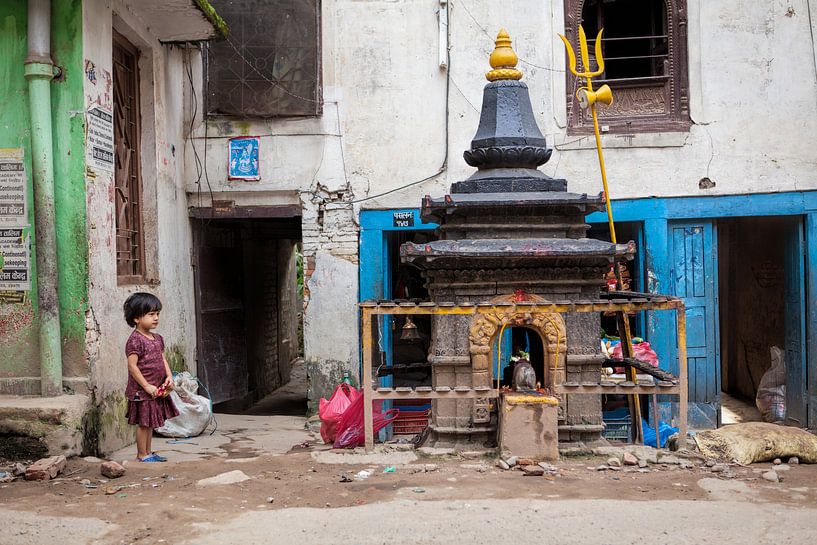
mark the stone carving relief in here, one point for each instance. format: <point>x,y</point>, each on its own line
<point>485,327</point>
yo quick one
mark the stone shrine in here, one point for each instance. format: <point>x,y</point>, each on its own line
<point>511,233</point>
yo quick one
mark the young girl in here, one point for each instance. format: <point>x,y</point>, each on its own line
<point>148,372</point>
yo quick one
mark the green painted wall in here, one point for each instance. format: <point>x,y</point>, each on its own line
<point>19,355</point>
<point>68,103</point>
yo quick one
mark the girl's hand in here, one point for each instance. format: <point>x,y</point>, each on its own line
<point>151,390</point>
<point>168,383</point>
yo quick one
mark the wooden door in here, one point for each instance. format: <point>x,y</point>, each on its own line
<point>219,282</point>
<point>795,325</point>
<point>694,278</point>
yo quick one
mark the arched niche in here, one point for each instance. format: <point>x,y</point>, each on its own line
<point>484,332</point>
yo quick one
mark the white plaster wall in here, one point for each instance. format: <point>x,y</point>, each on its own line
<point>168,232</point>
<point>752,89</point>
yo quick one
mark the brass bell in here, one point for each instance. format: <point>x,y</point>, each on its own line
<point>409,332</point>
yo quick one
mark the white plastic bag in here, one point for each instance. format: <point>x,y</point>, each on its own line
<point>194,410</point>
<point>771,392</point>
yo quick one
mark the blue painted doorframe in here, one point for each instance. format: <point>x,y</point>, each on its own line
<point>658,215</point>
<point>375,270</point>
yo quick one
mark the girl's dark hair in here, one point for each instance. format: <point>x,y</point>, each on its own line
<point>139,304</point>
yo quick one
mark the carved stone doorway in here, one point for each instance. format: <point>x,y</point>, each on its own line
<point>486,330</point>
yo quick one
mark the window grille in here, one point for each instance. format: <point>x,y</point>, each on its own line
<point>644,46</point>
<point>269,66</point>
<point>130,236</point>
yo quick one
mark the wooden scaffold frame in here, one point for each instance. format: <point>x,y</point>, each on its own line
<point>620,303</point>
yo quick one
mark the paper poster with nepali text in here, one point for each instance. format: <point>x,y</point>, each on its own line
<point>13,188</point>
<point>15,263</point>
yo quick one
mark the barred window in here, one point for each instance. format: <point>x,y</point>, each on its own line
<point>645,57</point>
<point>130,236</point>
<point>269,66</point>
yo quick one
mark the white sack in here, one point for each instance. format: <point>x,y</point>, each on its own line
<point>194,410</point>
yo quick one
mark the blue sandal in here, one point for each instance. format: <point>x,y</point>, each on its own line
<point>158,457</point>
<point>152,458</point>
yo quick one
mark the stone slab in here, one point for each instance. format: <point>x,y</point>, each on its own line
<point>529,431</point>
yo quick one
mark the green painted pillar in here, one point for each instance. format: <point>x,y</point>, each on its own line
<point>39,71</point>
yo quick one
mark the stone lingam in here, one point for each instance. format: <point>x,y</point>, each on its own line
<point>511,233</point>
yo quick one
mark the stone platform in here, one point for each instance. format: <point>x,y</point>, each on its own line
<point>42,425</point>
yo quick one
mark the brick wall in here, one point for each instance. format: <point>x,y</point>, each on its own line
<point>261,266</point>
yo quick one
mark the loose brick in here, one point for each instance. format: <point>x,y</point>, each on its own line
<point>45,468</point>
<point>111,469</point>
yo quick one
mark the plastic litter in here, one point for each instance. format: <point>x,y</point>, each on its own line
<point>771,392</point>
<point>330,410</point>
<point>351,431</point>
<point>195,411</point>
<point>664,433</point>
<point>390,469</point>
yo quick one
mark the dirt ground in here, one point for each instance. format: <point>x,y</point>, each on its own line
<point>293,495</point>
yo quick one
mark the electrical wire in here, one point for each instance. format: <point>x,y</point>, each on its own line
<point>444,165</point>
<point>194,112</point>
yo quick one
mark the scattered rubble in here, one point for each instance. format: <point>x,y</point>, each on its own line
<point>669,459</point>
<point>479,468</point>
<point>794,460</point>
<point>18,470</point>
<point>532,471</point>
<point>614,462</point>
<point>502,464</point>
<point>6,477</point>
<point>771,476</point>
<point>423,468</point>
<point>230,477</point>
<point>777,461</point>
<point>45,468</point>
<point>111,469</point>
<point>630,459</point>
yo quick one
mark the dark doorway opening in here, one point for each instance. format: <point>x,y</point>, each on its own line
<point>520,342</point>
<point>249,312</point>
<point>761,296</point>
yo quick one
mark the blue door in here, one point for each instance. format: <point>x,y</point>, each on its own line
<point>693,251</point>
<point>795,325</point>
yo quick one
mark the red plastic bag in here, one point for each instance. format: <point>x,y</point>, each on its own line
<point>331,410</point>
<point>641,351</point>
<point>351,429</point>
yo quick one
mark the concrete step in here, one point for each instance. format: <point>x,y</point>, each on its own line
<point>50,424</point>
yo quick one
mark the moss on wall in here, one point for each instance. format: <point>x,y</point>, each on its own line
<point>175,358</point>
<point>108,429</point>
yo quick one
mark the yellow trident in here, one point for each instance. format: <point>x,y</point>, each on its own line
<point>588,99</point>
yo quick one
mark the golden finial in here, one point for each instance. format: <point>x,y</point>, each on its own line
<point>503,60</point>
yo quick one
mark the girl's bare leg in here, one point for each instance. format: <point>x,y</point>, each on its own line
<point>143,435</point>
<point>150,441</point>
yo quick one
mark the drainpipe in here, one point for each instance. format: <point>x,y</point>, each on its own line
<point>39,71</point>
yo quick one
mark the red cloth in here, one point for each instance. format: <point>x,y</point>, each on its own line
<point>641,351</point>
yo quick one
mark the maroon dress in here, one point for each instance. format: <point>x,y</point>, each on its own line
<point>144,410</point>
